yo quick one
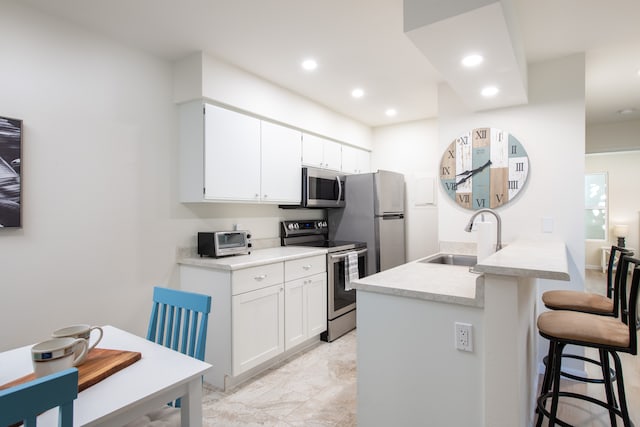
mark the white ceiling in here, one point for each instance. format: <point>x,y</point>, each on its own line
<point>362,43</point>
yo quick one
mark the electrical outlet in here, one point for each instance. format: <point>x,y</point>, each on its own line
<point>464,336</point>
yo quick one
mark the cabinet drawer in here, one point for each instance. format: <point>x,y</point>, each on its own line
<point>304,267</point>
<point>250,279</point>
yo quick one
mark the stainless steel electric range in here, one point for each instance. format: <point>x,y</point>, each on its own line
<point>341,301</point>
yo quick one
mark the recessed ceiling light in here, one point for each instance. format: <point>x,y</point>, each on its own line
<point>489,91</point>
<point>627,111</point>
<point>309,64</point>
<point>391,112</point>
<point>472,60</point>
<point>357,93</point>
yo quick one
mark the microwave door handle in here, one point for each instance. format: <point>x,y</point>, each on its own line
<point>344,255</point>
<point>339,189</point>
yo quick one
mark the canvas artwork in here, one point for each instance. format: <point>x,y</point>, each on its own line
<point>10,186</point>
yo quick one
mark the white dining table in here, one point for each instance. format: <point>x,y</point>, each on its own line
<point>160,376</point>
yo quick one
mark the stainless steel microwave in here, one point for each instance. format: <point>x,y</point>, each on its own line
<point>224,243</point>
<point>322,188</point>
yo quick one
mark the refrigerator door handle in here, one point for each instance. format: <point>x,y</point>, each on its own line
<point>392,216</point>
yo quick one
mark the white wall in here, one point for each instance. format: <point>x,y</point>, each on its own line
<point>412,149</point>
<point>624,205</point>
<point>101,220</point>
<point>231,86</point>
<point>551,128</point>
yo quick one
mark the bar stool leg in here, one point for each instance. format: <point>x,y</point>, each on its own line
<point>557,365</point>
<point>546,382</point>
<point>608,386</point>
<point>621,395</point>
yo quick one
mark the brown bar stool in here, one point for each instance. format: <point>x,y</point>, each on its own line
<point>607,334</point>
<point>587,302</point>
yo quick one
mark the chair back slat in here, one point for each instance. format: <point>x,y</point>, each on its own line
<point>26,401</point>
<point>177,332</point>
<point>182,323</point>
<point>622,268</point>
<point>615,257</point>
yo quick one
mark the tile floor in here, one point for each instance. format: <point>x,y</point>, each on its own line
<point>314,389</point>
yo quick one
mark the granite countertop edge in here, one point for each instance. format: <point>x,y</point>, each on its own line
<point>478,301</point>
<point>256,258</point>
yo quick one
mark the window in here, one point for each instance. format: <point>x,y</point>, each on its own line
<point>595,199</point>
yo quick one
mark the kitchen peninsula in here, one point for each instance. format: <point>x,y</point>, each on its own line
<point>409,371</point>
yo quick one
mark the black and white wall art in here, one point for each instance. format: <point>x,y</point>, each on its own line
<point>10,177</point>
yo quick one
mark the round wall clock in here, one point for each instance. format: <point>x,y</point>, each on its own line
<point>484,168</point>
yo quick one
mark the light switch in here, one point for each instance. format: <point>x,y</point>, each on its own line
<point>547,224</point>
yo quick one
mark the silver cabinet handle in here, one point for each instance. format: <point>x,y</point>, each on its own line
<point>307,267</point>
<point>260,277</point>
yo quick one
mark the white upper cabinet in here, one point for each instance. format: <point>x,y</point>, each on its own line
<point>321,153</point>
<point>231,155</point>
<point>355,160</point>
<point>281,164</point>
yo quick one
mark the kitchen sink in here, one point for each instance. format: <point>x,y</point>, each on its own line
<point>452,259</point>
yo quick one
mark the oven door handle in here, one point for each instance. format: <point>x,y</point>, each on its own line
<point>344,255</point>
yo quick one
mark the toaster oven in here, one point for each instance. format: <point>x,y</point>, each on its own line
<point>224,243</point>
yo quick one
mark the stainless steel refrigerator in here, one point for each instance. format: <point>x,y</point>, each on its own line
<point>373,213</point>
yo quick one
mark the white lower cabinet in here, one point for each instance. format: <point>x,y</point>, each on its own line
<point>305,308</point>
<point>258,313</point>
<point>258,326</point>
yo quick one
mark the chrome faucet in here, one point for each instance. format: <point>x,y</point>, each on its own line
<point>499,227</point>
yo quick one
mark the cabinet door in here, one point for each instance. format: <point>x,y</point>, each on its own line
<point>332,155</point>
<point>231,155</point>
<point>258,327</point>
<point>295,326</point>
<point>364,161</point>
<point>349,159</point>
<point>281,164</point>
<point>355,160</point>
<point>316,290</point>
<point>312,150</point>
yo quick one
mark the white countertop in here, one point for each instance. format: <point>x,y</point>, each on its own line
<point>435,282</point>
<point>543,259</point>
<point>256,258</point>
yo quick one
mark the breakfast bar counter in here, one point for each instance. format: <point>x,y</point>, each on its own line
<point>409,369</point>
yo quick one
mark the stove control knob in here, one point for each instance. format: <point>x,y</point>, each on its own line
<point>324,224</point>
<point>296,226</point>
<point>290,226</point>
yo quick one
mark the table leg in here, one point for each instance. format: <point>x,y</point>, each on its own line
<point>191,409</point>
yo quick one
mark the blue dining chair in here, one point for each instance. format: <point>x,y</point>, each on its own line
<point>26,401</point>
<point>179,321</point>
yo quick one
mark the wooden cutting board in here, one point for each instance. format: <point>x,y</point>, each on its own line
<point>100,364</point>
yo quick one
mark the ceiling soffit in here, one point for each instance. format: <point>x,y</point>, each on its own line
<point>481,27</point>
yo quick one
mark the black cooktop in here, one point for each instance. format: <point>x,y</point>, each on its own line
<point>313,233</point>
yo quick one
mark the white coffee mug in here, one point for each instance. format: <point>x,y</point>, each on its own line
<point>79,331</point>
<point>57,355</point>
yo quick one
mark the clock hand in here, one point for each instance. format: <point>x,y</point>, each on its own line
<point>473,172</point>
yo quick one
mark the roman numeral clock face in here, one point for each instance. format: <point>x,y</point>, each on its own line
<point>484,168</point>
